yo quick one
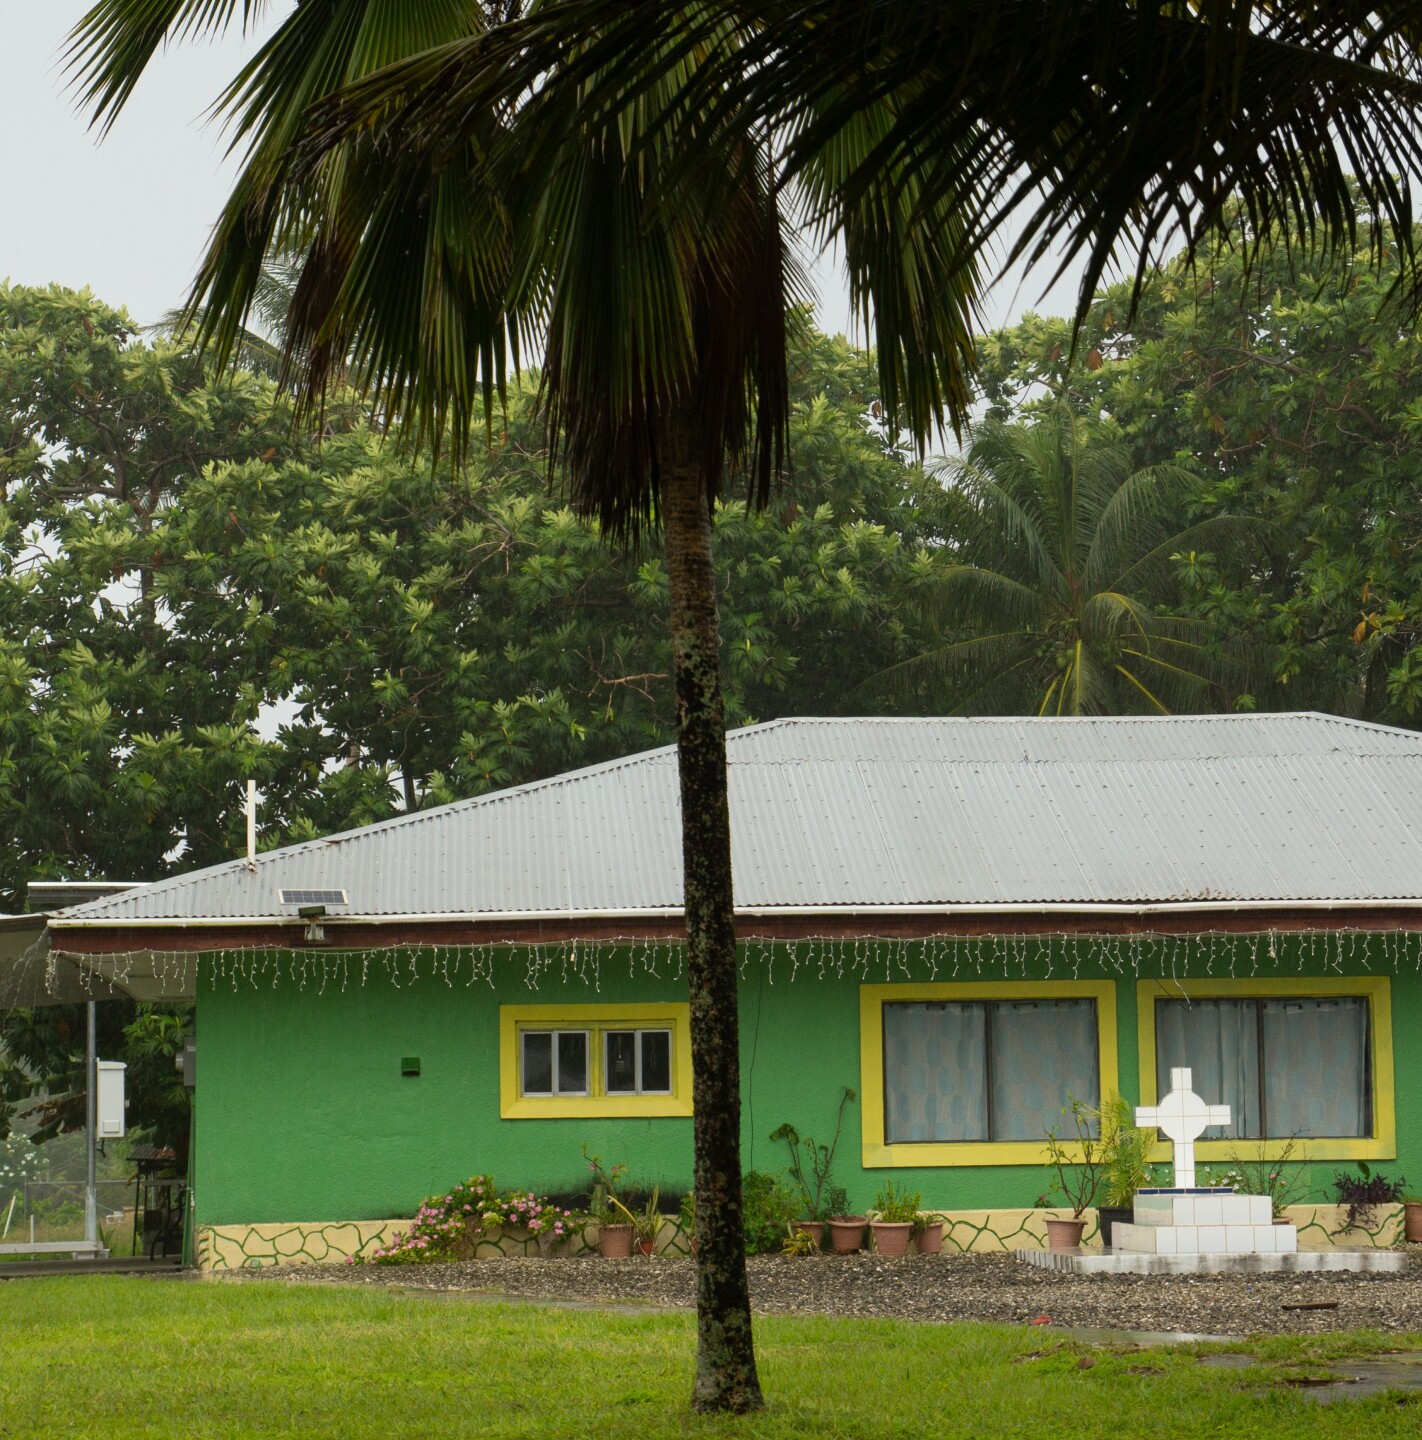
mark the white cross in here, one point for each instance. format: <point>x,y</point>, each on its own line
<point>1184,1117</point>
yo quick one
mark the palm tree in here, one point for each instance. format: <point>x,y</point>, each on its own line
<point>260,343</point>
<point>604,179</point>
<point>1063,564</point>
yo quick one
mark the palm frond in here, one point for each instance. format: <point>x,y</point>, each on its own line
<point>1123,523</point>
<point>962,667</point>
<point>1151,573</point>
<point>112,45</point>
<point>1154,701</point>
<point>964,593</point>
<point>1102,123</point>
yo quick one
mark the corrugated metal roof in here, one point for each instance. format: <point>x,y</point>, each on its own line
<point>884,812</point>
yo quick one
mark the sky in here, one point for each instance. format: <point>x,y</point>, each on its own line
<point>129,216</point>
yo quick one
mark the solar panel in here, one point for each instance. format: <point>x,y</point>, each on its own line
<point>312,897</point>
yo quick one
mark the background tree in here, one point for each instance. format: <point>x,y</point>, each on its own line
<point>1293,389</point>
<point>98,434</point>
<point>421,634</point>
<point>1056,599</point>
<point>42,1069</point>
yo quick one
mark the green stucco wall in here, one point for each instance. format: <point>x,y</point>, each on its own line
<point>303,1113</point>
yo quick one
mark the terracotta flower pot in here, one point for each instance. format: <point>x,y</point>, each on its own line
<point>815,1229</point>
<point>1412,1220</point>
<point>891,1237</point>
<point>614,1242</point>
<point>647,1247</point>
<point>929,1238</point>
<point>1064,1234</point>
<point>847,1234</point>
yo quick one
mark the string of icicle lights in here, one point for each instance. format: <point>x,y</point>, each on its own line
<point>865,959</point>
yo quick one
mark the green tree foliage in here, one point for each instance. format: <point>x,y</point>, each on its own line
<point>120,732</point>
<point>175,557</point>
<point>42,1068</point>
<point>1293,389</point>
<point>1057,597</point>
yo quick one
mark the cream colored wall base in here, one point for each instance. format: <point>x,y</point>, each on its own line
<point>237,1247</point>
<point>1320,1228</point>
<point>253,1247</point>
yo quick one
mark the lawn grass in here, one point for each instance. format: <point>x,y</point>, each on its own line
<point>111,1356</point>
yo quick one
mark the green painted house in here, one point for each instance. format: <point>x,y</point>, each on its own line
<point>964,920</point>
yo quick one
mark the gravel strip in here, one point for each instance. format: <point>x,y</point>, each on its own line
<point>935,1288</point>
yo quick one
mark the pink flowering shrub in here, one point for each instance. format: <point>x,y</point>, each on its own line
<point>449,1227</point>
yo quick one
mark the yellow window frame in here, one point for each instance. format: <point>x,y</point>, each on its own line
<point>596,1019</point>
<point>879,1155</point>
<point>1376,989</point>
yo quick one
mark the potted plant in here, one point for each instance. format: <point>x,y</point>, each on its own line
<point>1263,1170</point>
<point>1076,1180</point>
<point>646,1223</point>
<point>895,1213</point>
<point>928,1234</point>
<point>614,1235</point>
<point>1125,1163</point>
<point>1363,1193</point>
<point>1411,1217</point>
<point>812,1168</point>
<point>846,1232</point>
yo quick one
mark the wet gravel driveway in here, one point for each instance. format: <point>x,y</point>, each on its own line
<point>933,1288</point>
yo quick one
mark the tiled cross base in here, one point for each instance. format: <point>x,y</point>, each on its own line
<point>1206,1232</point>
<point>1141,1262</point>
<point>1204,1222</point>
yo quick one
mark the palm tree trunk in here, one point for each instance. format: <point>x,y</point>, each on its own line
<point>725,1357</point>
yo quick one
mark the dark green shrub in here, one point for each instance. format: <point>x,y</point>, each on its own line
<point>770,1206</point>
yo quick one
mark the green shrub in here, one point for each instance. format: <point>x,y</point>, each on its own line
<point>770,1206</point>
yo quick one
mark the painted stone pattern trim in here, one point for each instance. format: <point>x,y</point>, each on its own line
<point>254,1247</point>
<point>237,1247</point>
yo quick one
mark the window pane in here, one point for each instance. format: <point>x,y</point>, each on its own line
<point>621,1062</point>
<point>935,1069</point>
<point>537,1062</point>
<point>656,1062</point>
<point>572,1062</point>
<point>1042,1052</point>
<point>1316,1067</point>
<point>1218,1041</point>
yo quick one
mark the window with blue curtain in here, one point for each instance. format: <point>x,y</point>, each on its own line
<point>1286,1066</point>
<point>987,1070</point>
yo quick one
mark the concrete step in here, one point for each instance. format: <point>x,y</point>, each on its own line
<point>110,1265</point>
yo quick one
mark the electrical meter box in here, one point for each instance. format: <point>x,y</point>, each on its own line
<point>111,1099</point>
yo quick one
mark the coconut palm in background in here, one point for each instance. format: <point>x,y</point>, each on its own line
<point>1058,603</point>
<point>606,182</point>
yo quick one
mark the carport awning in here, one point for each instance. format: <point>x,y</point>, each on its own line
<point>31,977</point>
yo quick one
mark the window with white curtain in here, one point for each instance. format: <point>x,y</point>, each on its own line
<point>986,1070</point>
<point>1285,1065</point>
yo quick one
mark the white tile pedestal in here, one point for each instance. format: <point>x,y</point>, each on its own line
<point>1188,1231</point>
<point>1207,1232</point>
